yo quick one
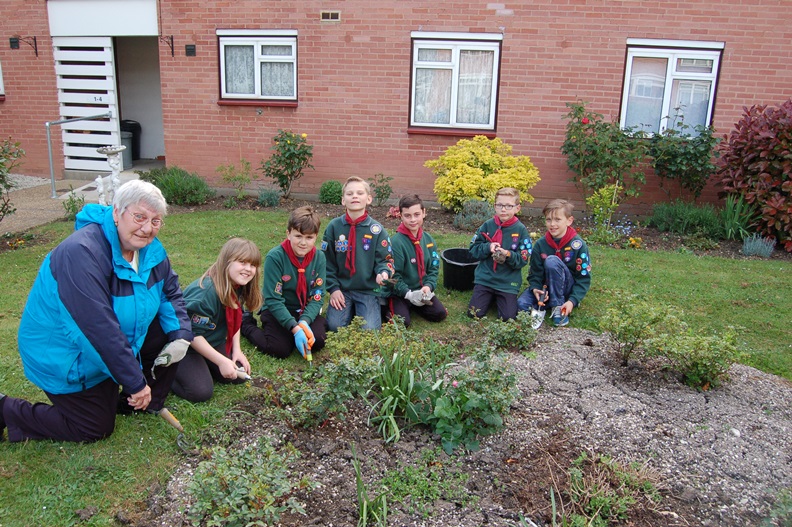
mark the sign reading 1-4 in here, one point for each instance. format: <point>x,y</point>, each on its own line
<point>97,98</point>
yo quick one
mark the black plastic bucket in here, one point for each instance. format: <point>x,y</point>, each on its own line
<point>458,269</point>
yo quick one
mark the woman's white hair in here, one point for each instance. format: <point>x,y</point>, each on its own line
<point>139,192</point>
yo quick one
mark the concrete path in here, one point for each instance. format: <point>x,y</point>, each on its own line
<point>35,205</point>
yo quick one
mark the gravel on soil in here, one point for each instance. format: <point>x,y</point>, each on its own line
<point>719,458</point>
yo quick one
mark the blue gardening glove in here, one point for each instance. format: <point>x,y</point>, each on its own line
<point>301,342</point>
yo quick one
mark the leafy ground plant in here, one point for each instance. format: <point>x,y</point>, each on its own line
<point>331,192</point>
<point>246,487</point>
<point>702,360</point>
<point>73,204</point>
<point>758,245</point>
<point>369,509</point>
<point>513,334</point>
<point>178,186</point>
<point>238,177</point>
<point>602,491</point>
<point>432,477</point>
<point>291,155</point>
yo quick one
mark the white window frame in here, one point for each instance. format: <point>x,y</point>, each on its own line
<point>257,39</point>
<point>672,50</point>
<point>2,88</point>
<point>455,42</point>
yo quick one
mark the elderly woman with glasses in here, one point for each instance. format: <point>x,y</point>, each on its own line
<point>104,307</point>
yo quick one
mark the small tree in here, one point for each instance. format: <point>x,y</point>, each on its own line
<point>600,153</point>
<point>476,169</point>
<point>10,153</point>
<point>292,154</point>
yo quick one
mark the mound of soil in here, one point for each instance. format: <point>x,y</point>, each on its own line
<point>717,457</point>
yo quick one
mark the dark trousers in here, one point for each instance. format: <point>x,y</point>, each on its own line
<point>88,415</point>
<point>482,299</point>
<point>196,377</point>
<point>84,416</point>
<point>275,340</point>
<point>398,306</point>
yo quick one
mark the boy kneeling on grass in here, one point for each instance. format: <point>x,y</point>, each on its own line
<point>503,247</point>
<point>560,271</point>
<point>294,281</point>
<point>417,265</point>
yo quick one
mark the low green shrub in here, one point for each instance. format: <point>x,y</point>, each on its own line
<point>476,168</point>
<point>178,186</point>
<point>702,360</point>
<point>247,486</point>
<point>238,177</point>
<point>331,192</point>
<point>682,217</point>
<point>380,186</point>
<point>269,197</point>
<point>73,204</point>
<point>515,333</point>
<point>473,214</point>
<point>632,321</point>
<point>291,155</point>
<point>757,245</point>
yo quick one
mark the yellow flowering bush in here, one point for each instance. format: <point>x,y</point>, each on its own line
<point>477,168</point>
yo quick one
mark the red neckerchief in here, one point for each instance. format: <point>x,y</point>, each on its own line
<point>350,257</point>
<point>498,236</point>
<point>233,323</point>
<point>302,282</point>
<point>570,233</point>
<point>419,256</point>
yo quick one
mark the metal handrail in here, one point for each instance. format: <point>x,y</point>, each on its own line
<point>49,141</point>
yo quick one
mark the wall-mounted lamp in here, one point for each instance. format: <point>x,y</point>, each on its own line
<point>30,41</point>
<point>169,41</point>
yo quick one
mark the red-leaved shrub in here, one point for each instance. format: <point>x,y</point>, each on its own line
<point>756,162</point>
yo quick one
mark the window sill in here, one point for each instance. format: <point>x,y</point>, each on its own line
<point>459,132</point>
<point>2,98</point>
<point>248,102</point>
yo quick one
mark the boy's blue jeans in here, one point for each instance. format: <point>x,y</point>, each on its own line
<point>361,304</point>
<point>559,281</point>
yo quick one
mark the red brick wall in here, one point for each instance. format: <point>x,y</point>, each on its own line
<point>31,98</point>
<point>354,88</point>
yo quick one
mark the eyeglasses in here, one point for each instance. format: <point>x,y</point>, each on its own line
<point>504,206</point>
<point>142,219</point>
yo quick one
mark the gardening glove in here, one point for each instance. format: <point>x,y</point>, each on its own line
<point>171,353</point>
<point>426,298</point>
<point>414,297</point>
<point>308,333</point>
<point>301,342</point>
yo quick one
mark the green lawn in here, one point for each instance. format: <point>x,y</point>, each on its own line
<point>43,483</point>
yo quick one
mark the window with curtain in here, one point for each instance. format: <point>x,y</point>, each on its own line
<point>669,84</point>
<point>258,65</point>
<point>454,82</point>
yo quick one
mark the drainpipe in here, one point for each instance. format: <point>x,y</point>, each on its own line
<point>49,141</point>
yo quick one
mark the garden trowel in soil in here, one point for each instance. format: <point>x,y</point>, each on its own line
<point>538,314</point>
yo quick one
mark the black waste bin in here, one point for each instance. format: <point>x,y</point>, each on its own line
<point>459,269</point>
<point>128,125</point>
